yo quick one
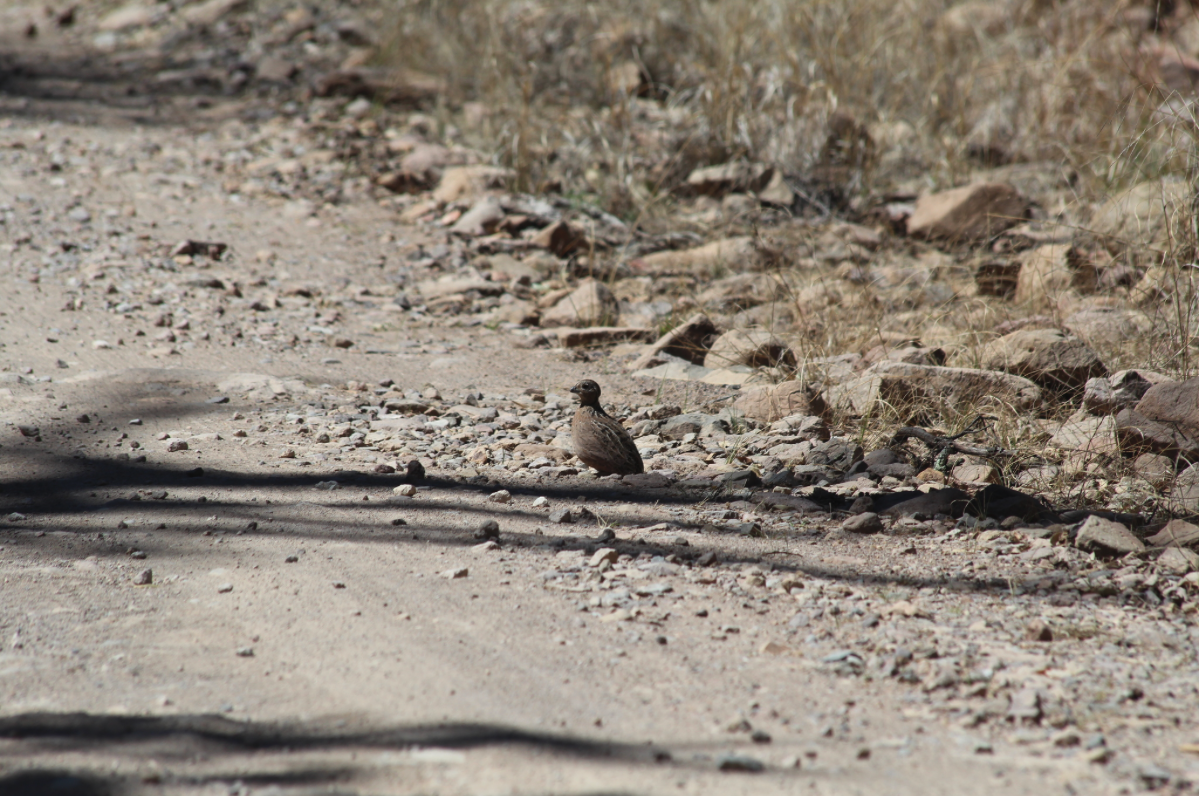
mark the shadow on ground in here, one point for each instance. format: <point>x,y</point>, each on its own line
<point>177,741</point>
<point>100,492</point>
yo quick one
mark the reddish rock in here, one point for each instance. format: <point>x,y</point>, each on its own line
<point>967,215</point>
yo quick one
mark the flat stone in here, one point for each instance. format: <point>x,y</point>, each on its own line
<point>601,336</point>
<point>1045,356</point>
<point>1178,560</point>
<point>647,480</point>
<point>772,403</point>
<point>1176,533</point>
<point>674,371</point>
<point>1106,536</point>
<point>968,214</point>
<point>889,384</point>
<point>1094,434</point>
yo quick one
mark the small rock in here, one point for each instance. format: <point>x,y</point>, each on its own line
<point>541,502</point>
<point>869,522</point>
<point>1038,630</point>
<point>143,578</point>
<point>224,588</point>
<point>500,496</point>
<point>591,304</point>
<point>1178,560</point>
<point>739,763</point>
<point>245,652</point>
<point>563,516</point>
<point>1108,537</point>
<point>176,445</point>
<point>455,573</point>
<point>488,529</point>
<point>607,554</point>
<point>406,490</point>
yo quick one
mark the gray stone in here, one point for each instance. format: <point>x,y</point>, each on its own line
<point>867,522</point>
<point>1105,536</point>
<point>1178,560</point>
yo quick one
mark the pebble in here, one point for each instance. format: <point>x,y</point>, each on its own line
<point>501,496</point>
<point>245,652</point>
<point>224,588</point>
<point>563,516</point>
<point>455,573</point>
<point>143,578</point>
<point>405,490</point>
<point>176,445</point>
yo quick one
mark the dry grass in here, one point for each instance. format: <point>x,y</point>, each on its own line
<point>616,102</point>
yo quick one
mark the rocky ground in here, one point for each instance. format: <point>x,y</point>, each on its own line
<point>289,499</point>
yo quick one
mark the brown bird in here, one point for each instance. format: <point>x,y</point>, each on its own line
<point>599,440</point>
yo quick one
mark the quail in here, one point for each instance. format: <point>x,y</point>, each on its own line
<point>599,440</point>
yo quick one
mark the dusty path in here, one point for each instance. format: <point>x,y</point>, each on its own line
<point>301,634</point>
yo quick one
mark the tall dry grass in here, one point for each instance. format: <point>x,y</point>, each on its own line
<point>561,88</point>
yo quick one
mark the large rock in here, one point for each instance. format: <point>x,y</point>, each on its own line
<point>590,304</point>
<point>1142,215</point>
<point>689,340</point>
<point>1053,274</point>
<point>1175,403</point>
<point>768,404</point>
<point>755,348</point>
<point>903,384</point>
<point>1108,537</point>
<point>1046,356</point>
<point>969,214</point>
<point>1138,434</point>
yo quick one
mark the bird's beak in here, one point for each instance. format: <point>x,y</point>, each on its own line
<point>575,390</point>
